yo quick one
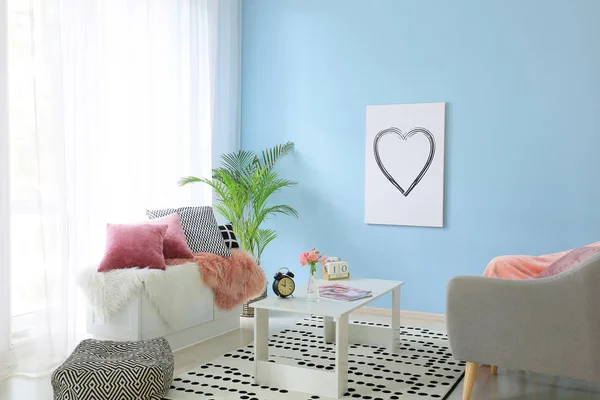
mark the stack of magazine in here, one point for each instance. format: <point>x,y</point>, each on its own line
<point>341,292</point>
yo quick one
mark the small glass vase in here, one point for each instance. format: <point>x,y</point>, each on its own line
<point>312,292</point>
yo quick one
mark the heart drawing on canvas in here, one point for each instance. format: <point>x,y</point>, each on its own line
<point>404,137</point>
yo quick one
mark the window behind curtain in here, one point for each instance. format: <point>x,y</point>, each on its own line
<point>111,102</point>
<point>37,222</point>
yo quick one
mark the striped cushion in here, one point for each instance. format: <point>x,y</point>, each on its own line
<point>200,228</point>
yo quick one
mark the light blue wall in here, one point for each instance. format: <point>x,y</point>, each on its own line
<point>522,83</point>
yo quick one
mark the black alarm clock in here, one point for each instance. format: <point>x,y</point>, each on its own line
<point>283,285</point>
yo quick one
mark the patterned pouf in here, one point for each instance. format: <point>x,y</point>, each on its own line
<point>107,370</point>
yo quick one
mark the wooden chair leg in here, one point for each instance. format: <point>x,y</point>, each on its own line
<point>493,370</point>
<point>470,372</point>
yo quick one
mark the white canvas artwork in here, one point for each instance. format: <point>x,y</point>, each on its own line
<point>404,180</point>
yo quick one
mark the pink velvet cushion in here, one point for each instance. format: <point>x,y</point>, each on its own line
<point>128,246</point>
<point>568,261</point>
<point>175,245</point>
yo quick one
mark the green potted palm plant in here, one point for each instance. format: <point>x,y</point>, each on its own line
<point>243,184</point>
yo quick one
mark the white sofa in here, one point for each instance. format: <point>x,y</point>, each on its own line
<point>139,320</point>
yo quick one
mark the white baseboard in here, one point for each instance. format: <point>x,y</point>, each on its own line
<point>387,312</point>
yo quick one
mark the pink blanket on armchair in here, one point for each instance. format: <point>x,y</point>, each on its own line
<point>234,279</point>
<point>531,267</point>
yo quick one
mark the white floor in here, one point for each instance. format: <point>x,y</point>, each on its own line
<point>507,385</point>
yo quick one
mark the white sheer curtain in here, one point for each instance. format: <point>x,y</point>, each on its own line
<point>4,196</point>
<point>111,102</point>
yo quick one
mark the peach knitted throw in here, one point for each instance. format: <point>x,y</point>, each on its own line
<point>526,267</point>
<point>234,279</point>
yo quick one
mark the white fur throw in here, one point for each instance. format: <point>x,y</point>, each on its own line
<point>108,292</point>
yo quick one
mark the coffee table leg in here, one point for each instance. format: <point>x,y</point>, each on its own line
<point>341,354</point>
<point>261,339</point>
<point>328,330</point>
<point>395,339</point>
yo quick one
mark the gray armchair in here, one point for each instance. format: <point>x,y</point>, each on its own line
<point>549,325</point>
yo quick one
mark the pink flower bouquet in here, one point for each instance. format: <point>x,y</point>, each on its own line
<point>311,258</point>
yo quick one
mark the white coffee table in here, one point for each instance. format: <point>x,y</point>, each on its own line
<point>336,330</point>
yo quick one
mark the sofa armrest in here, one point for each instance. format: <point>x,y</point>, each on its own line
<point>549,325</point>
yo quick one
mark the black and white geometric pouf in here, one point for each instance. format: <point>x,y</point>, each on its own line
<point>107,370</point>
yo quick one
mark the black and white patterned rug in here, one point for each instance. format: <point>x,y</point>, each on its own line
<point>423,369</point>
